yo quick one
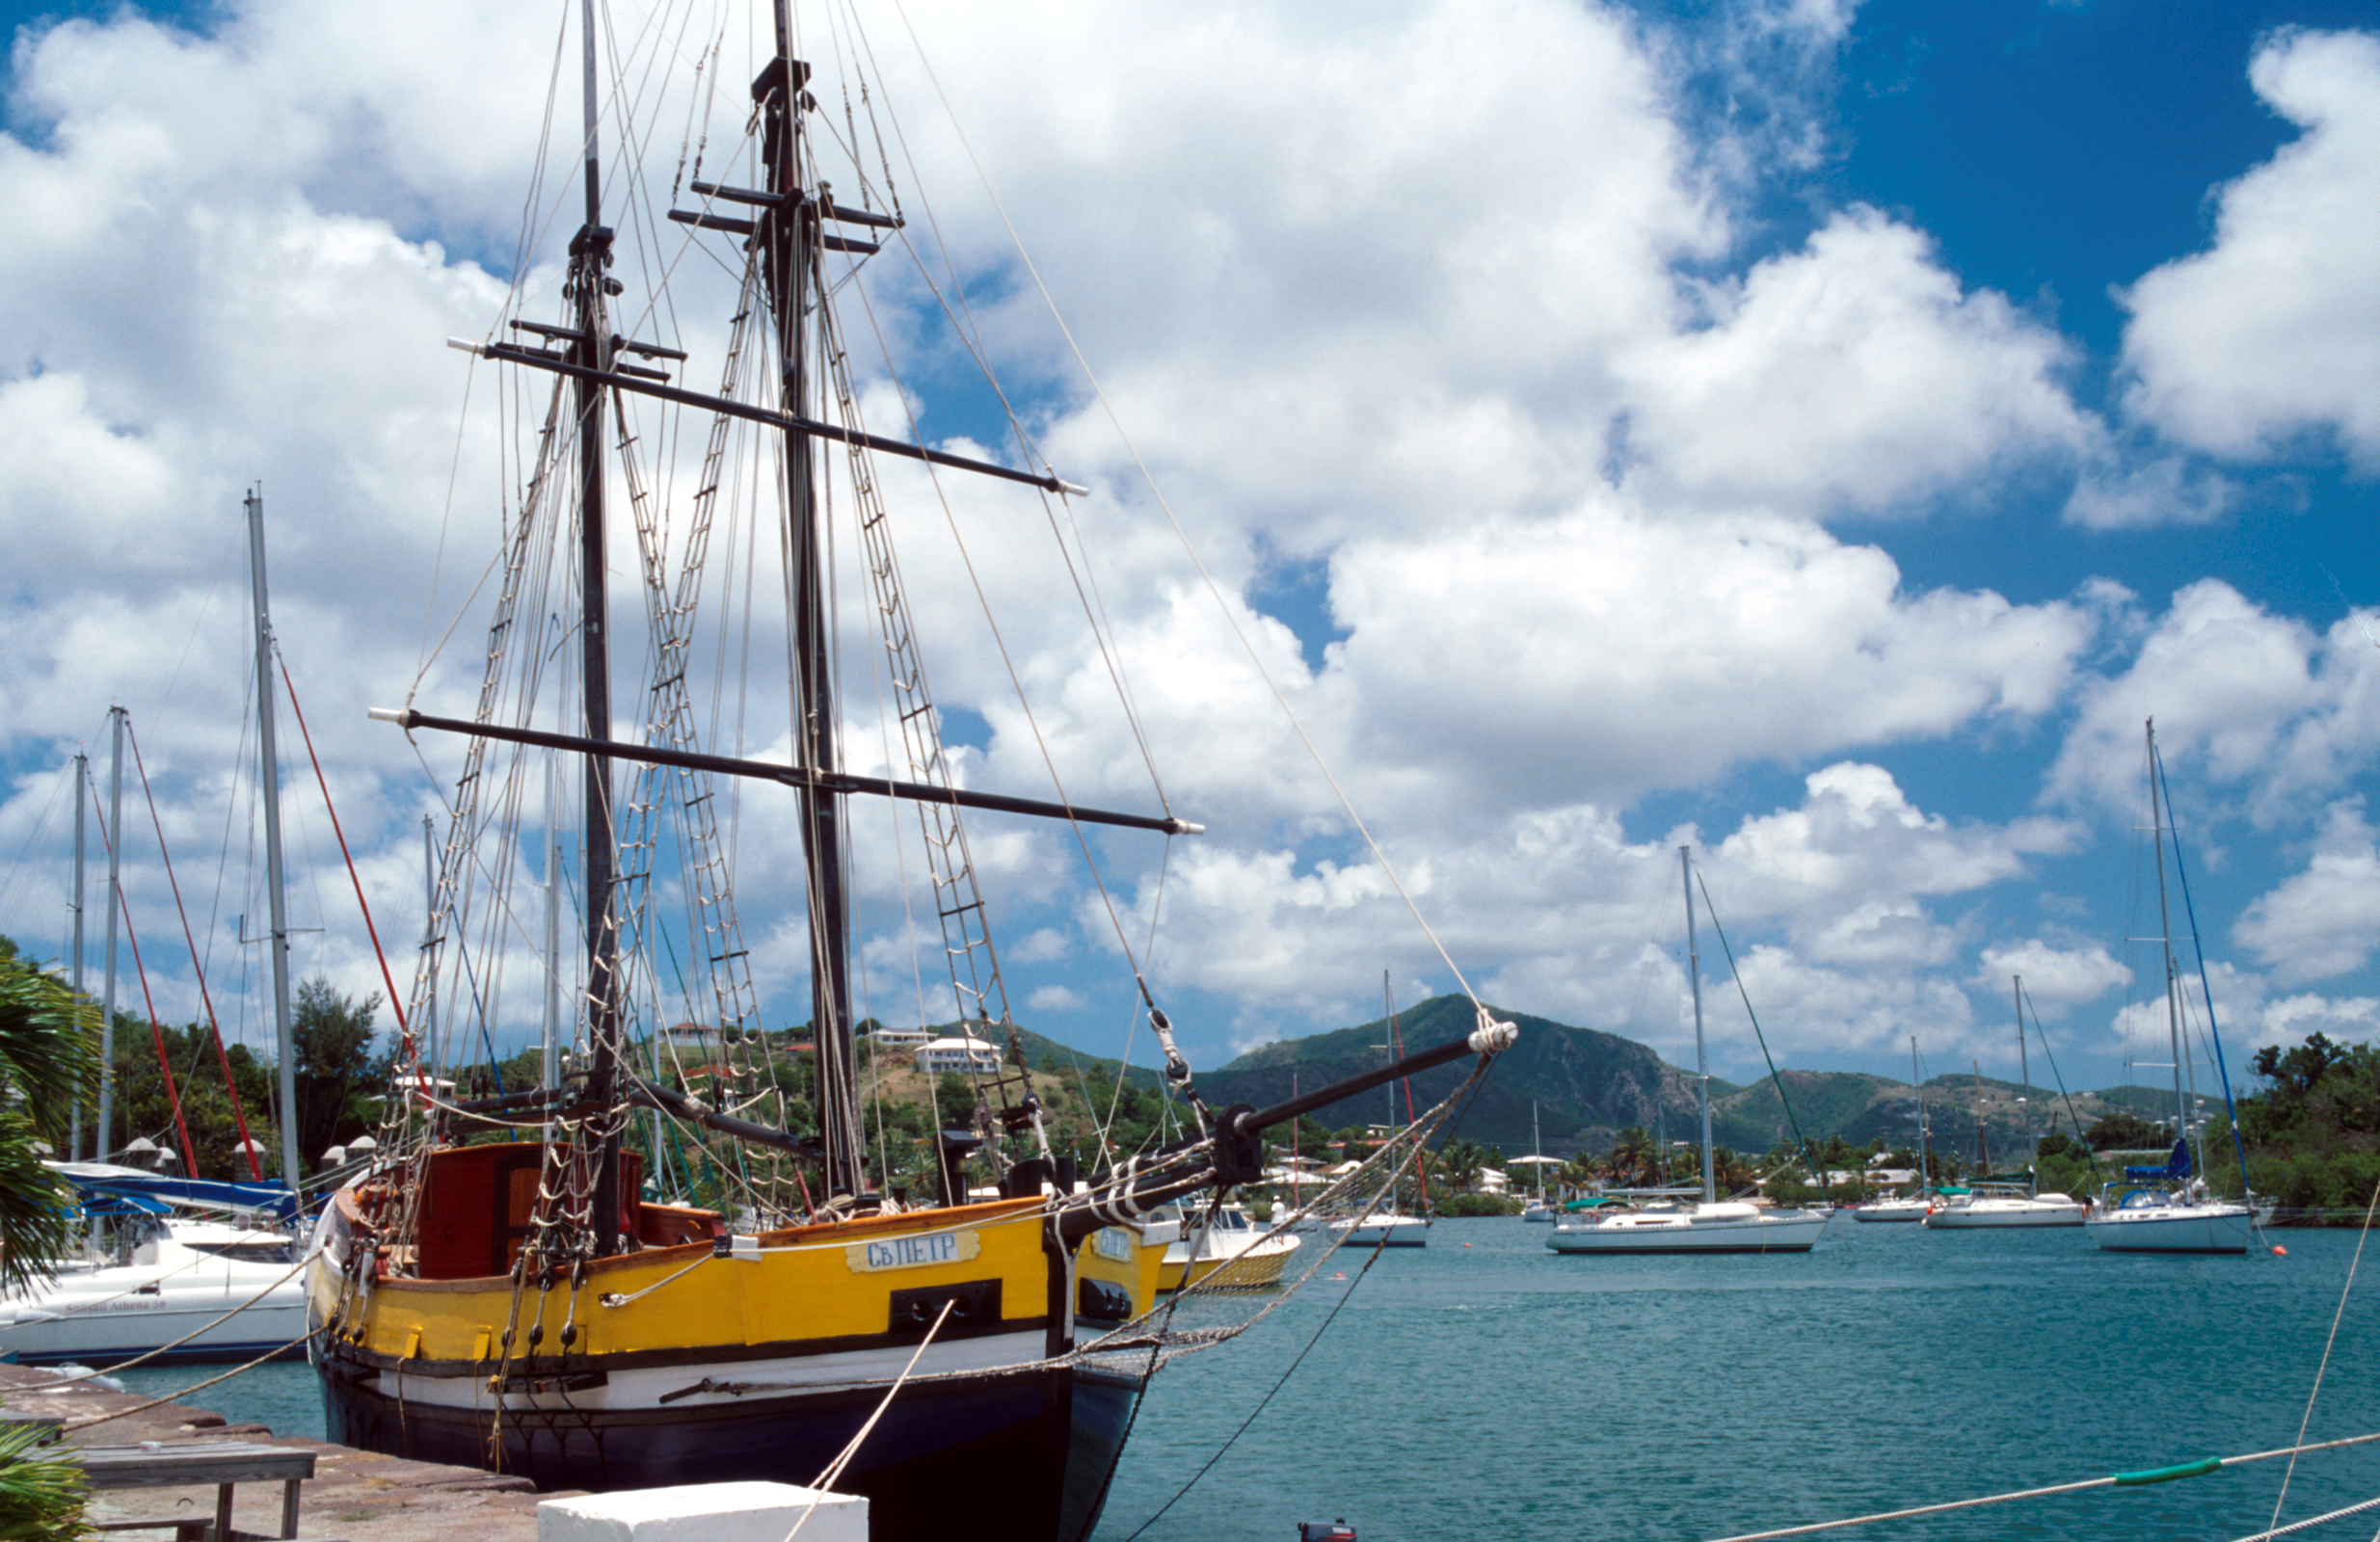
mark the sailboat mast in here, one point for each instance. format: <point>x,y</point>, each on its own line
<point>82,797</point>
<point>789,237</point>
<point>1537,1148</point>
<point>1983,1141</point>
<point>2165,939</point>
<point>2024,1076</point>
<point>590,349</point>
<point>428,1013</point>
<point>1925,1165</point>
<point>114,909</point>
<point>268,772</point>
<point>1702,1060</point>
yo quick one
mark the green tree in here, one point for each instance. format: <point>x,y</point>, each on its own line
<point>1458,1164</point>
<point>145,1103</point>
<point>1734,1174</point>
<point>1632,1161</point>
<point>48,1056</point>
<point>41,1492</point>
<point>955,1101</point>
<point>2121,1129</point>
<point>334,1072</point>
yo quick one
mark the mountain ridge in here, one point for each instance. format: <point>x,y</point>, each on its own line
<point>1587,1085</point>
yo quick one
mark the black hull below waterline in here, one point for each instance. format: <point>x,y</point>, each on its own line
<point>1020,1456</point>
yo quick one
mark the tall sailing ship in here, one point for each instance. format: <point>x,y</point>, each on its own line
<point>515,1285</point>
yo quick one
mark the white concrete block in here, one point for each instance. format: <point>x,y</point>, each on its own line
<point>705,1512</point>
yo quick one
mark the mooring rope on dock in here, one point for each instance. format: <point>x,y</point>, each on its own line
<point>2155,1474</point>
<point>176,1396</point>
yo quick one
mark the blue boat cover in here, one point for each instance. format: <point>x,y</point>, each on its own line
<point>95,1206</point>
<point>272,1198</point>
<point>2176,1166</point>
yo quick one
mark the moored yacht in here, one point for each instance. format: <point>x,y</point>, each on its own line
<point>1723,1226</point>
<point>1383,1228</point>
<point>1911,1207</point>
<point>1714,1225</point>
<point>1230,1252</point>
<point>2004,1204</point>
<point>174,1284</point>
<point>2167,1210</point>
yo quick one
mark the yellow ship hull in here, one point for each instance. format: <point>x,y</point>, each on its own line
<point>700,1358</point>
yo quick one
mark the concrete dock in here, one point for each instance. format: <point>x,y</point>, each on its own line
<point>353,1494</point>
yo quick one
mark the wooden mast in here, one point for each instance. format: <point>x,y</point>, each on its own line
<point>590,349</point>
<point>790,236</point>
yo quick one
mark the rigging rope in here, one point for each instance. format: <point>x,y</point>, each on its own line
<point>2316,1391</point>
<point>156,1029</point>
<point>1447,1113</point>
<point>2198,950</point>
<point>1817,1176</point>
<point>163,1348</point>
<point>2026,997</point>
<point>2197,1468</point>
<point>1214,589</point>
<point>396,1003</point>
<point>247,1143</point>
<point>2311,1522</point>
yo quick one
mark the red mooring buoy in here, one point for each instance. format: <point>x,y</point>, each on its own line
<point>2279,1252</point>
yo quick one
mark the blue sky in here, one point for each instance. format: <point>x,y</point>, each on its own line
<point>1816,432</point>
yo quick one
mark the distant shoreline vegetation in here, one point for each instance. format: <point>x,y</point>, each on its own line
<point>2312,1132</point>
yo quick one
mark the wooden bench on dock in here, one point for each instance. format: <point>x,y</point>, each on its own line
<point>182,1464</point>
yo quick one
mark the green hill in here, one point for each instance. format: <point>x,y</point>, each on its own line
<point>1587,1085</point>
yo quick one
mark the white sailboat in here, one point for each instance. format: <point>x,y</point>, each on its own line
<point>1536,1209</point>
<point>1384,1225</point>
<point>177,1270</point>
<point>2166,1210</point>
<point>1914,1207</point>
<point>1995,1207</point>
<point>191,1272</point>
<point>1383,1228</point>
<point>1714,1225</point>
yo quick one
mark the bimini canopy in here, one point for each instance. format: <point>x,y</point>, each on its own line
<point>2176,1166</point>
<point>148,1192</point>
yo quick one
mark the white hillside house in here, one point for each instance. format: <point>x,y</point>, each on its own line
<point>961,1055</point>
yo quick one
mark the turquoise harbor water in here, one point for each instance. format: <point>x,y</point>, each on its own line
<point>1495,1390</point>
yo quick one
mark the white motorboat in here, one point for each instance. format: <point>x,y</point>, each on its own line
<point>166,1280</point>
<point>1994,1204</point>
<point>1384,1228</point>
<point>1536,1209</point>
<point>1723,1226</point>
<point>1715,1225</point>
<point>1911,1209</point>
<point>1233,1252</point>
